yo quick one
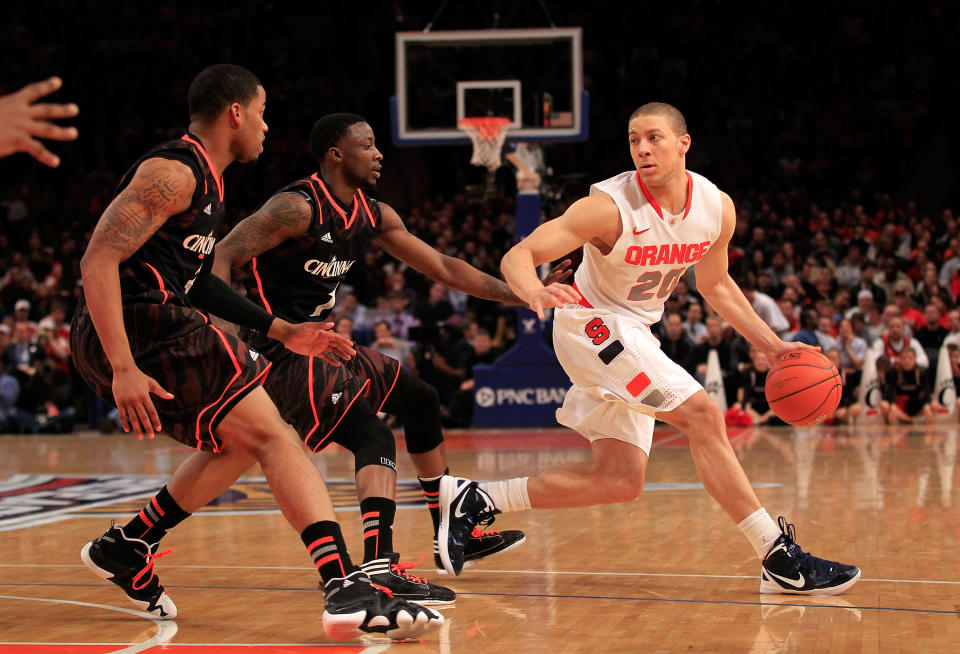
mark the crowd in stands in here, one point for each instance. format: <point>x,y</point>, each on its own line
<point>829,247</point>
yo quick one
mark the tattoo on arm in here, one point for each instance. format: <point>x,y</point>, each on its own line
<point>160,189</point>
<point>284,216</point>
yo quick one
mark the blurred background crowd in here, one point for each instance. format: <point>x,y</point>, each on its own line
<point>834,132</point>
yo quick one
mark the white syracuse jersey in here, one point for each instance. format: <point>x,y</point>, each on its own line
<point>654,248</point>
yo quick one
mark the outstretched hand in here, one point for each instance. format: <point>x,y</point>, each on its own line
<point>558,273</point>
<point>316,339</point>
<point>555,295</point>
<point>23,120</point>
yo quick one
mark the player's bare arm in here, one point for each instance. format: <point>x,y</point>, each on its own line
<point>159,189</point>
<point>449,271</point>
<point>594,219</point>
<point>718,288</point>
<point>283,216</point>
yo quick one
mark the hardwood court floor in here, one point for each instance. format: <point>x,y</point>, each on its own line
<point>666,573</point>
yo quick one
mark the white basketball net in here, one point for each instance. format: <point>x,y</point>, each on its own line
<point>487,134</point>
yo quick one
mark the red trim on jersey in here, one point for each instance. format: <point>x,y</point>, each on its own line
<point>256,276</point>
<point>656,205</point>
<point>236,364</point>
<point>583,301</point>
<point>367,207</point>
<point>216,175</point>
<point>166,295</point>
<point>356,205</point>
<point>316,198</point>
<point>380,408</point>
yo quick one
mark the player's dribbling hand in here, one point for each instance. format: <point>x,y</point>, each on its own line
<point>23,121</point>
<point>131,392</point>
<point>783,347</point>
<point>558,273</point>
<point>316,339</point>
<point>555,295</point>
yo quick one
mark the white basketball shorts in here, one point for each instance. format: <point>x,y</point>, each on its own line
<point>620,376</point>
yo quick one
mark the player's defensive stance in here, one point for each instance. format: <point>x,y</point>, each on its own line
<point>639,231</point>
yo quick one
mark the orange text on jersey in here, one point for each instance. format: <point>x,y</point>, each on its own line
<point>669,254</point>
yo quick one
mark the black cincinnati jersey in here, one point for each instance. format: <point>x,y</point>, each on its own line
<point>207,371</point>
<point>297,280</point>
<point>163,269</point>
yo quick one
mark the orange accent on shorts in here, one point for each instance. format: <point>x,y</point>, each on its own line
<point>320,541</point>
<point>166,294</point>
<point>239,370</point>
<point>363,390</point>
<point>256,380</point>
<point>636,386</point>
<point>380,408</point>
<point>256,276</point>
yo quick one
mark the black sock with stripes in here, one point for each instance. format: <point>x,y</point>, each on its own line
<point>377,514</point>
<point>324,542</point>
<point>431,493</point>
<point>161,514</point>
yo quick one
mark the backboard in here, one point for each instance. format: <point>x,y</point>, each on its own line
<point>534,77</point>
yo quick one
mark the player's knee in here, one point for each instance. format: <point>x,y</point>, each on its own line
<point>623,489</point>
<point>705,422</point>
<point>258,439</point>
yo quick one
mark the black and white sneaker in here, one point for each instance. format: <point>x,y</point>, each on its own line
<point>389,573</point>
<point>788,569</point>
<point>463,506</point>
<point>128,563</point>
<point>355,606</point>
<point>482,544</point>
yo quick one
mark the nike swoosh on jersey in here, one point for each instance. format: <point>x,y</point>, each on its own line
<point>800,582</point>
<point>636,233</point>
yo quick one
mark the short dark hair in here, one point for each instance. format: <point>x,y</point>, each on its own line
<point>217,87</point>
<point>329,131</point>
<point>671,113</point>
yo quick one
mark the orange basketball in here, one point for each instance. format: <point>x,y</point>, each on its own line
<point>803,387</point>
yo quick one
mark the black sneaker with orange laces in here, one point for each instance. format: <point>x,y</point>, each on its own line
<point>483,543</point>
<point>388,572</point>
<point>128,563</point>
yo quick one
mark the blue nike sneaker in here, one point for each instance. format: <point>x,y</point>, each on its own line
<point>463,506</point>
<point>788,569</point>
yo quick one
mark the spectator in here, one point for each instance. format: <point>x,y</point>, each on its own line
<point>865,302</point>
<point>953,337</point>
<point>386,343</point>
<point>848,408</point>
<point>904,302</point>
<point>931,335</point>
<point>436,308</point>
<point>675,343</point>
<point>768,310</point>
<point>751,391</point>
<point>696,363</point>
<point>344,327</point>
<point>398,317</point>
<point>824,334</point>
<point>894,343</point>
<point>808,326</point>
<point>907,395</point>
<point>21,314</point>
<point>851,348</point>
<point>868,271</point>
<point>890,277</point>
<point>848,272</point>
<point>693,325</point>
<point>481,352</point>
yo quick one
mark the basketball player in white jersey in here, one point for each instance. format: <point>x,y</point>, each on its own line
<point>639,231</point>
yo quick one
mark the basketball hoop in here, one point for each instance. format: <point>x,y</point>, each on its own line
<point>487,134</point>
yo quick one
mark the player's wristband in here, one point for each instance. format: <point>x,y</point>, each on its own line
<point>219,298</point>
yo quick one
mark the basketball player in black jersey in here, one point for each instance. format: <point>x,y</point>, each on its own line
<point>146,276</point>
<point>300,245</point>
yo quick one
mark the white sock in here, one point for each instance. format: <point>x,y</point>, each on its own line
<point>760,530</point>
<point>509,495</point>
